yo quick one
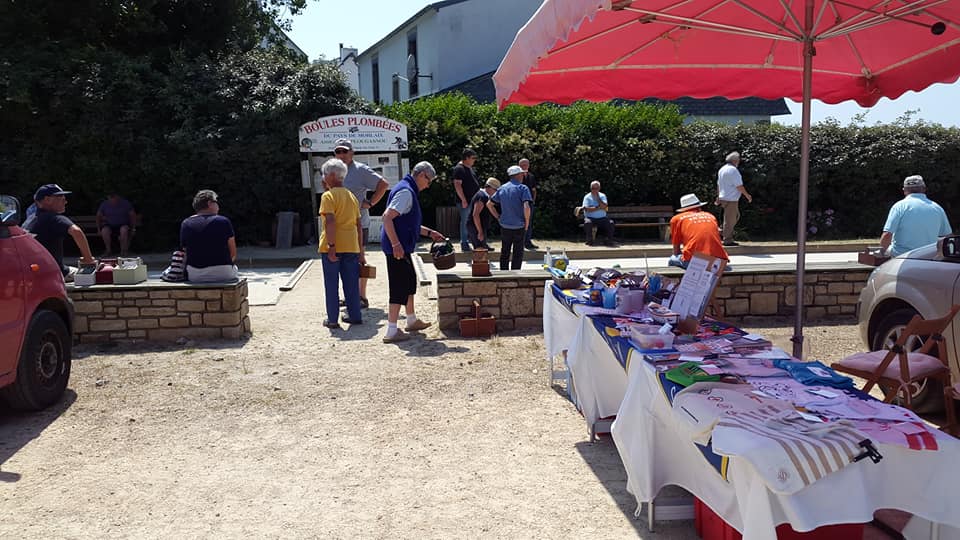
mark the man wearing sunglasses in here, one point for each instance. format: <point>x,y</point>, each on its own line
<point>360,181</point>
<point>50,227</point>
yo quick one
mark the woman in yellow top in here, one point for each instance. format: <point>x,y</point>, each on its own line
<point>341,245</point>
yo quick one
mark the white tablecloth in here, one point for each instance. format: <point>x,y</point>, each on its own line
<point>657,452</point>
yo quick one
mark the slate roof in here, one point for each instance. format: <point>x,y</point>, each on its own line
<point>481,89</point>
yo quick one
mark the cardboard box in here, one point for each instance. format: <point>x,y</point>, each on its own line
<point>129,272</point>
<point>872,257</point>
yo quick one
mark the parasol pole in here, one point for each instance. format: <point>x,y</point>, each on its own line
<point>808,53</point>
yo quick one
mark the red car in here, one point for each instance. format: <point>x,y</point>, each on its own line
<point>36,318</point>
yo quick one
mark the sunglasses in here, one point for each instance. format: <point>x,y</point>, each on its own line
<point>340,151</point>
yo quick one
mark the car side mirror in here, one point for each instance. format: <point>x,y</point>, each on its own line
<point>9,210</point>
<point>949,247</point>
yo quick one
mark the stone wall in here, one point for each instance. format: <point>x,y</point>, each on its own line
<point>159,311</point>
<point>517,299</point>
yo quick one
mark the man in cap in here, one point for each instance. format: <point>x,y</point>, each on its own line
<point>694,231</point>
<point>913,221</point>
<point>514,199</point>
<point>466,185</point>
<point>729,190</point>
<point>360,181</point>
<point>480,215</point>
<point>50,227</point>
<point>402,228</point>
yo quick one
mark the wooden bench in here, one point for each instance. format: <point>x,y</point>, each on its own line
<point>638,216</point>
<point>88,224</point>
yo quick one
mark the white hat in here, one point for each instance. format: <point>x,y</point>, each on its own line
<point>689,202</point>
<point>514,170</point>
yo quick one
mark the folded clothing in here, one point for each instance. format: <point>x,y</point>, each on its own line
<point>815,373</point>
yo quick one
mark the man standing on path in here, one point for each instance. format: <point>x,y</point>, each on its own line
<point>361,180</point>
<point>729,189</point>
<point>480,215</point>
<point>530,181</point>
<point>514,199</point>
<point>50,227</point>
<point>402,228</point>
<point>696,231</point>
<point>466,185</point>
<point>913,221</point>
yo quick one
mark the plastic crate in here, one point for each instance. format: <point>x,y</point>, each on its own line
<point>710,526</point>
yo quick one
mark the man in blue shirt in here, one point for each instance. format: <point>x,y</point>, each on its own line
<point>514,199</point>
<point>914,221</point>
<point>595,215</point>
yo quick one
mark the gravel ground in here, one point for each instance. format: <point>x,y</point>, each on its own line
<point>303,432</point>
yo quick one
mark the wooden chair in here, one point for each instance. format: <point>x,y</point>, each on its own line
<point>879,368</point>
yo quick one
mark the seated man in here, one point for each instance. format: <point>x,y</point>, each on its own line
<point>914,221</point>
<point>116,219</point>
<point>480,216</point>
<point>697,231</point>
<point>208,240</point>
<point>595,215</point>
<point>50,227</point>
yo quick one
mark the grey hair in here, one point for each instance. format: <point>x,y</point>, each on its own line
<point>594,182</point>
<point>522,160</point>
<point>423,166</point>
<point>335,166</point>
<point>733,156</point>
<point>203,198</point>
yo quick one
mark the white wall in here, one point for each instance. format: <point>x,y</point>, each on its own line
<point>455,44</point>
<point>474,36</point>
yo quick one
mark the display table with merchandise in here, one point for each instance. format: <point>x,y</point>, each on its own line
<point>658,447</point>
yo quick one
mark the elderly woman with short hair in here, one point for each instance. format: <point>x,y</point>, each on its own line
<point>209,242</point>
<point>341,245</point>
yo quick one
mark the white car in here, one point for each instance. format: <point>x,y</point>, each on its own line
<point>925,281</point>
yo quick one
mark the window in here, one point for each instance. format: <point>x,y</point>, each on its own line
<point>414,81</point>
<point>375,67</point>
<point>396,89</point>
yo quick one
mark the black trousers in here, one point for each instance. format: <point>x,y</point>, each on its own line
<point>512,239</point>
<point>603,224</point>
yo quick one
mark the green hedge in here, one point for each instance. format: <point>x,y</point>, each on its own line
<point>645,154</point>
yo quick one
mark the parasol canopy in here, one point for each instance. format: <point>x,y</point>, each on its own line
<point>831,50</point>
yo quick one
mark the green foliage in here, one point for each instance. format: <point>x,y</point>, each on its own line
<point>644,154</point>
<point>98,98</point>
<point>563,143</point>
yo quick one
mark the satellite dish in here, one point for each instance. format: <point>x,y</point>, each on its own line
<point>412,71</point>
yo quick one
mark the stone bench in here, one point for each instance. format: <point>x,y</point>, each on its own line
<point>159,311</point>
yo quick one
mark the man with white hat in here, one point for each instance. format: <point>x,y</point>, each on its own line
<point>729,190</point>
<point>696,231</point>
<point>514,199</point>
<point>360,181</point>
<point>913,221</point>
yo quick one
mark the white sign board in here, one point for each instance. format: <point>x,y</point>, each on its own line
<point>367,133</point>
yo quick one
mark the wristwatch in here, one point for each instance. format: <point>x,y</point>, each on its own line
<point>331,245</point>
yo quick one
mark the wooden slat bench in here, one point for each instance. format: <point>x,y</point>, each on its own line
<point>89,224</point>
<point>638,216</point>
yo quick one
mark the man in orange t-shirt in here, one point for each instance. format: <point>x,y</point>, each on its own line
<point>697,231</point>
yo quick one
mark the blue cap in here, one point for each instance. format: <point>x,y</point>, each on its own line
<point>48,190</point>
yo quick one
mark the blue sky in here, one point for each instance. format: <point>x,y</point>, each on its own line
<point>361,23</point>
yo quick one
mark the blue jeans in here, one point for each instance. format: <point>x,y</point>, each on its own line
<point>676,260</point>
<point>464,217</point>
<point>346,269</point>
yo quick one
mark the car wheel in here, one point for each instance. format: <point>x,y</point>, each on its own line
<point>926,394</point>
<point>44,367</point>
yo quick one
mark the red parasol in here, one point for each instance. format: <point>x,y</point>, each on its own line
<point>831,50</point>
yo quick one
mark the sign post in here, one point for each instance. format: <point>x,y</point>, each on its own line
<point>367,134</point>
